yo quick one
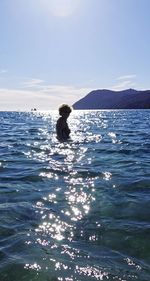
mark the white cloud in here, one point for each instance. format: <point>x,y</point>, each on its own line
<point>125,81</point>
<point>3,71</point>
<point>42,97</point>
<point>124,77</point>
<point>124,85</point>
<point>32,83</point>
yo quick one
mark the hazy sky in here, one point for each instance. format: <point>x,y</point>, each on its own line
<point>56,51</point>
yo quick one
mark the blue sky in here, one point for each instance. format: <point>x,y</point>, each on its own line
<point>57,51</point>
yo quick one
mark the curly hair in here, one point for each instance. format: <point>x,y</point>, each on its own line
<point>64,108</point>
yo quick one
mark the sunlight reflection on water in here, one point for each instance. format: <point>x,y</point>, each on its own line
<point>70,205</point>
<point>80,207</point>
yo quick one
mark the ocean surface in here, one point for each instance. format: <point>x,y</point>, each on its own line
<point>78,210</point>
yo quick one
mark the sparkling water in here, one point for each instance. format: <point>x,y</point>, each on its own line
<point>78,210</point>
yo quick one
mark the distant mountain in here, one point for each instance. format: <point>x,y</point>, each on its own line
<point>107,99</point>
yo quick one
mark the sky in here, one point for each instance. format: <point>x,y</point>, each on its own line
<point>57,51</point>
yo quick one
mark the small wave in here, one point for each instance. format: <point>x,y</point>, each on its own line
<point>77,210</point>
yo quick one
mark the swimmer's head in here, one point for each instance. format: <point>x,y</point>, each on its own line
<point>64,108</point>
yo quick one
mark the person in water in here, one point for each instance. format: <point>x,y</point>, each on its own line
<point>62,128</point>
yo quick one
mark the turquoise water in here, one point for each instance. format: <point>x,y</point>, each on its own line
<point>78,210</point>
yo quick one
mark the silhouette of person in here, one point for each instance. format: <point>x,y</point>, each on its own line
<point>62,128</point>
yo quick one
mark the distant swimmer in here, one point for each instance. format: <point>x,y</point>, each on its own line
<point>62,129</point>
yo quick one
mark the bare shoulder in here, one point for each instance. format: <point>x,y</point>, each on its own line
<point>60,122</point>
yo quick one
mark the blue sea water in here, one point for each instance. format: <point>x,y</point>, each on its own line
<point>78,210</point>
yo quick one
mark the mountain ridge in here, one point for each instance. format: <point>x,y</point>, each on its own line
<point>109,99</point>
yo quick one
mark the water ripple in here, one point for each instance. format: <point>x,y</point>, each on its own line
<point>77,210</point>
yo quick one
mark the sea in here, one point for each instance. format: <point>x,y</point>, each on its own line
<point>76,210</point>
